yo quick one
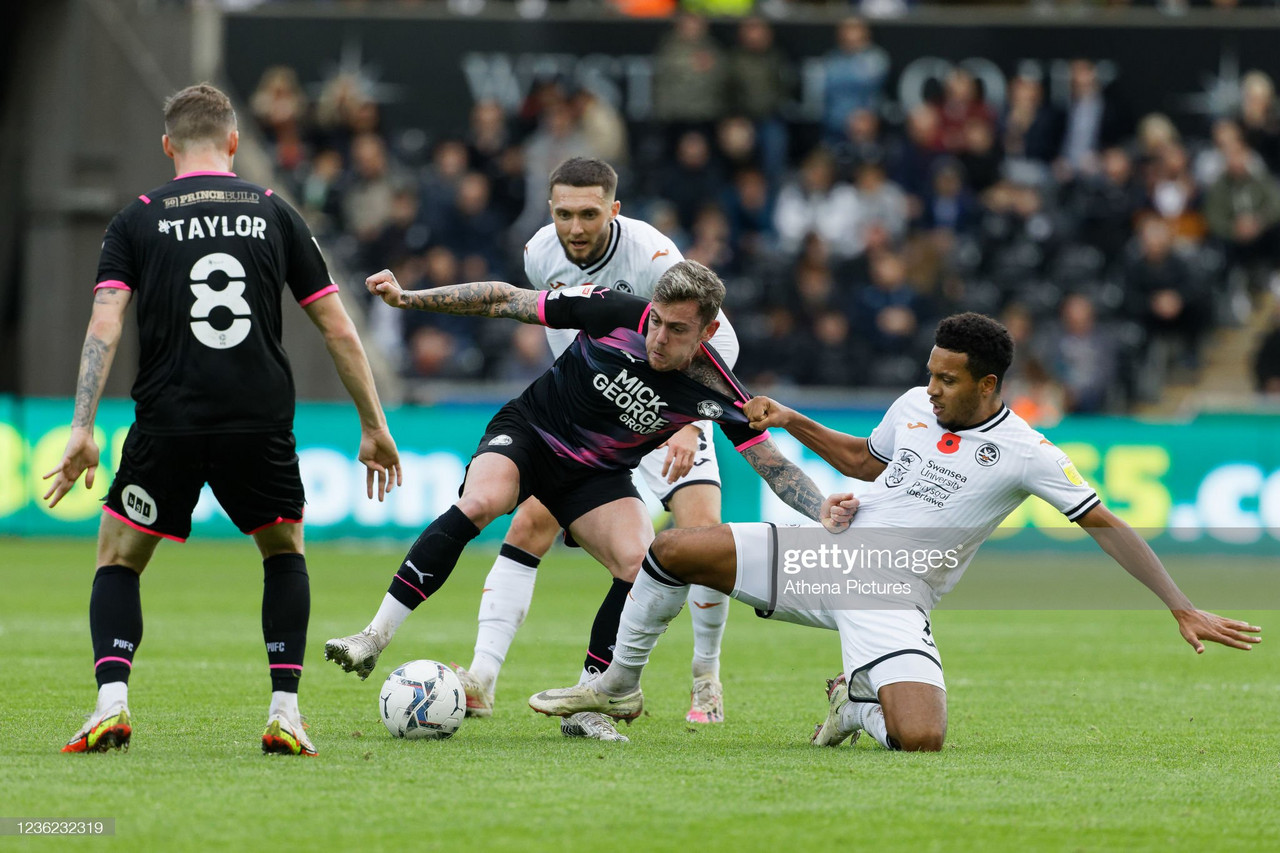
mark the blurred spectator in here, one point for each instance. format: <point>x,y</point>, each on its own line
<point>854,75</point>
<point>557,138</point>
<point>440,346</point>
<point>473,229</point>
<point>366,201</point>
<point>863,140</point>
<point>320,193</point>
<point>1174,196</point>
<point>774,354</point>
<point>748,205</point>
<point>440,182</point>
<point>280,107</point>
<point>690,76</point>
<point>1107,204</point>
<point>1260,117</point>
<point>691,178</point>
<point>402,236</point>
<point>526,356</point>
<point>880,202</point>
<point>962,104</point>
<point>889,313</point>
<point>343,112</point>
<point>736,144</point>
<point>949,207</point>
<point>1163,295</point>
<point>817,203</point>
<point>922,146</point>
<point>1032,129</point>
<point>603,127</point>
<point>1093,121</point>
<point>711,246</point>
<point>980,154</point>
<point>1211,162</point>
<point>1083,355</point>
<point>487,137</point>
<point>761,79</point>
<point>1243,210</point>
<point>1266,362</point>
<point>830,357</point>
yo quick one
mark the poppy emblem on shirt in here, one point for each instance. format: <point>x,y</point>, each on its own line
<point>949,443</point>
<point>710,409</point>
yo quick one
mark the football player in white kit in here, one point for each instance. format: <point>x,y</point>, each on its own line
<point>589,243</point>
<point>948,462</point>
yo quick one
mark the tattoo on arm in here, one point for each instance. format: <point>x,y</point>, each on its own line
<point>93,359</point>
<point>479,298</point>
<point>702,370</point>
<point>788,482</point>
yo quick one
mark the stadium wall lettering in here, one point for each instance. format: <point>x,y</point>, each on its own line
<point>428,71</point>
<point>1209,485</point>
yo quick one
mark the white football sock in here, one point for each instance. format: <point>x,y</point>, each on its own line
<point>112,693</point>
<point>871,717</point>
<point>508,589</point>
<point>709,610</point>
<point>283,702</point>
<point>391,614</point>
<point>649,609</point>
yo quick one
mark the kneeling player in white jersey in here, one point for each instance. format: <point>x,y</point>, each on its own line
<point>948,462</point>
<point>589,243</point>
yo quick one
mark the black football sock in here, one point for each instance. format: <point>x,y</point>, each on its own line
<point>115,622</point>
<point>604,630</point>
<point>431,559</point>
<point>286,607</point>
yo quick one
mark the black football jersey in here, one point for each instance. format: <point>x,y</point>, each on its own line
<point>207,257</point>
<point>601,404</point>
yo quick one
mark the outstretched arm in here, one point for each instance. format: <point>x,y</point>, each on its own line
<point>848,454</point>
<point>1136,557</point>
<point>81,454</point>
<point>378,450</point>
<point>796,490</point>
<point>477,298</point>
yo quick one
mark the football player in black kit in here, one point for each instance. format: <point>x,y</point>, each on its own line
<point>206,258</point>
<point>636,374</point>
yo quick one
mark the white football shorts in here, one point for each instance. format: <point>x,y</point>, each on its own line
<point>877,647</point>
<point>705,468</point>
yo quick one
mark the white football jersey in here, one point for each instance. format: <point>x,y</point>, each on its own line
<point>951,490</point>
<point>636,256</point>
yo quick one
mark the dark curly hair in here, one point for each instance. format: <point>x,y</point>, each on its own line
<point>985,341</point>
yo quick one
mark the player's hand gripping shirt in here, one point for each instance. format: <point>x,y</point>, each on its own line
<point>635,257</point>
<point>601,404</point>
<point>207,256</point>
<point>950,490</point>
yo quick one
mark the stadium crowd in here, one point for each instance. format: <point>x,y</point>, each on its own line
<point>1108,241</point>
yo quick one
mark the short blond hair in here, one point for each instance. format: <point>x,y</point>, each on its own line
<point>199,113</point>
<point>690,281</point>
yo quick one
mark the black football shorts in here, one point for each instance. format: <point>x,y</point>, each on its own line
<point>568,489</point>
<point>254,476</point>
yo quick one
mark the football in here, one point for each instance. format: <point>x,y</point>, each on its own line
<point>422,699</point>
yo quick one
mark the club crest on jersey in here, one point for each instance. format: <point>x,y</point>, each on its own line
<point>623,286</point>
<point>138,505</point>
<point>901,467</point>
<point>500,441</point>
<point>987,455</point>
<point>710,409</point>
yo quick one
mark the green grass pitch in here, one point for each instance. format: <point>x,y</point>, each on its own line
<point>1072,730</point>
